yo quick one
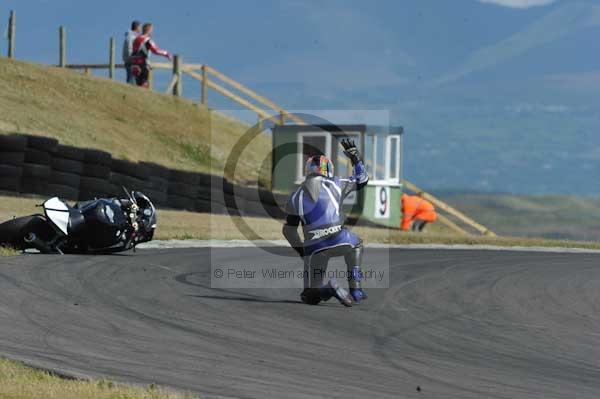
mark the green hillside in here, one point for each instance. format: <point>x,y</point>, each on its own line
<point>129,122</point>
<point>555,217</point>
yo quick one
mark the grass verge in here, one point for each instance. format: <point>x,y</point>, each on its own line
<point>18,381</point>
<point>129,122</point>
<point>202,226</point>
<point>186,225</point>
<point>7,251</point>
<point>557,217</point>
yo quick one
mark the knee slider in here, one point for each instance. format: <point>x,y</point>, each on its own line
<point>311,296</point>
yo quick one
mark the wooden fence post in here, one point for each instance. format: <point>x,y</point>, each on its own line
<point>204,88</point>
<point>111,59</point>
<point>150,79</point>
<point>62,33</point>
<point>281,118</point>
<point>12,22</point>
<point>178,87</point>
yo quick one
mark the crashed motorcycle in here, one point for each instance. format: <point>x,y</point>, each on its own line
<point>103,225</point>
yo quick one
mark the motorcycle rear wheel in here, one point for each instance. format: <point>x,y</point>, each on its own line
<point>14,232</point>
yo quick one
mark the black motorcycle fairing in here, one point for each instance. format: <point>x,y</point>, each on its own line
<point>103,226</point>
<point>76,221</point>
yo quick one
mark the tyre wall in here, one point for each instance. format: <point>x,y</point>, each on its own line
<point>42,166</point>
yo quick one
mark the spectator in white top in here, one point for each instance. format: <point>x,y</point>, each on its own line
<point>130,36</point>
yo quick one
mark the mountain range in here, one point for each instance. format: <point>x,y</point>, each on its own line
<point>492,99</point>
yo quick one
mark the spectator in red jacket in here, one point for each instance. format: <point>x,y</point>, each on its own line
<point>143,45</point>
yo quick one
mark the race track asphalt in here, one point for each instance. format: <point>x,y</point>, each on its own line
<point>456,324</point>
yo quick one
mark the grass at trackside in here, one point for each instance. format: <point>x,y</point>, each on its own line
<point>129,122</point>
<point>558,217</point>
<point>189,225</point>
<point>184,225</point>
<point>20,382</point>
<point>5,251</point>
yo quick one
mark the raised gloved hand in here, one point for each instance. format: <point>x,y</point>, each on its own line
<point>351,151</point>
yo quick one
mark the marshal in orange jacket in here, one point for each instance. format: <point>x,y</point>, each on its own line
<point>416,208</point>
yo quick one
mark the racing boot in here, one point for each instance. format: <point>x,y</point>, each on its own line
<point>332,289</point>
<point>356,291</point>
